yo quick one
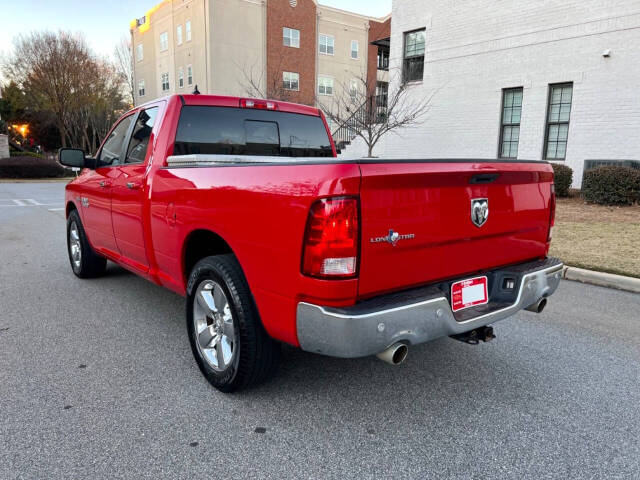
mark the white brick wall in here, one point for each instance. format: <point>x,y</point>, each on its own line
<point>475,48</point>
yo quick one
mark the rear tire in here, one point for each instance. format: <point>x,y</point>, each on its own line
<point>85,262</point>
<point>229,343</point>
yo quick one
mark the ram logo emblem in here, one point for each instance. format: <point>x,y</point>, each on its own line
<point>479,211</point>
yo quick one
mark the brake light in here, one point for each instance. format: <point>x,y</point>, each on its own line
<point>330,247</point>
<point>259,104</point>
<point>552,213</point>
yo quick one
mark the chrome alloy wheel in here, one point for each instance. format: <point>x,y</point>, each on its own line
<point>74,245</point>
<point>213,325</point>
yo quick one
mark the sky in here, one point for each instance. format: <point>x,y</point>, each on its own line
<point>103,23</point>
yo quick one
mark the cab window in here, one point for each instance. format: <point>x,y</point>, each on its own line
<point>139,142</point>
<point>113,146</point>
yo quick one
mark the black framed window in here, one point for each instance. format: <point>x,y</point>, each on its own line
<point>510,123</point>
<point>558,116</point>
<point>115,143</point>
<point>413,56</point>
<point>137,151</point>
<point>244,131</point>
<point>383,58</point>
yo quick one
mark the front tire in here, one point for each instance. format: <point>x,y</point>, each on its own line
<point>231,347</point>
<point>85,262</point>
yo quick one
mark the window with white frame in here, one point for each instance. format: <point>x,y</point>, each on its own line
<point>189,75</point>
<point>141,91</point>
<point>187,30</point>
<point>325,44</point>
<point>179,34</point>
<point>164,41</point>
<point>165,81</point>
<point>290,37</point>
<point>354,49</point>
<point>180,77</point>
<point>353,89</point>
<point>139,52</point>
<point>325,85</point>
<point>291,81</point>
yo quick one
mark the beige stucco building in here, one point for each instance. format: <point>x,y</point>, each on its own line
<point>219,45</point>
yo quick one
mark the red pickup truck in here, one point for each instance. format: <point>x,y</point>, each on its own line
<point>242,206</point>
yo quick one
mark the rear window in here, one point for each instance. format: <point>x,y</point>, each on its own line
<point>240,131</point>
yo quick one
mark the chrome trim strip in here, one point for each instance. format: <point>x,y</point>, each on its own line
<point>207,160</point>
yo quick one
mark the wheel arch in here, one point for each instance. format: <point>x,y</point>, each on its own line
<point>198,244</point>
<point>70,207</point>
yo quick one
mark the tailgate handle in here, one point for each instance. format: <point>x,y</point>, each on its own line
<point>484,178</point>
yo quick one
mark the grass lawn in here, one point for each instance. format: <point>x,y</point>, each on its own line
<point>600,238</point>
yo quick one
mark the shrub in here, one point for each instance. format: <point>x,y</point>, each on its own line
<point>30,167</point>
<point>612,185</point>
<point>16,153</point>
<point>562,179</point>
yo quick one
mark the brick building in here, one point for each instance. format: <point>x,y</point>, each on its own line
<point>556,80</point>
<point>308,50</point>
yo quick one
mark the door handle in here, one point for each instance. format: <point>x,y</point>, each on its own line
<point>133,185</point>
<point>105,184</point>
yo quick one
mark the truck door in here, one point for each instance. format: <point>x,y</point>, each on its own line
<point>129,191</point>
<point>95,198</point>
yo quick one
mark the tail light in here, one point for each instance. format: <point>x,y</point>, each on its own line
<point>552,213</point>
<point>258,104</point>
<point>331,239</point>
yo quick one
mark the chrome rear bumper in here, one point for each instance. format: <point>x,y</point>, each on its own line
<point>418,315</point>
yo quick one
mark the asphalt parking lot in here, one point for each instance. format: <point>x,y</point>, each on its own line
<point>97,381</point>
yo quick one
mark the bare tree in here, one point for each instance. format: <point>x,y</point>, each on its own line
<point>123,55</point>
<point>360,113</point>
<point>259,83</point>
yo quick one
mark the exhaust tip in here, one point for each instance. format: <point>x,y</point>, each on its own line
<point>395,354</point>
<point>400,354</point>
<point>538,307</point>
<point>541,305</point>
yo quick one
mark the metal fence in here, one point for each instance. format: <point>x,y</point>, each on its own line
<point>374,110</point>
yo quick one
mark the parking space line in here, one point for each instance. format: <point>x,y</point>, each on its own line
<point>25,202</point>
<point>56,209</point>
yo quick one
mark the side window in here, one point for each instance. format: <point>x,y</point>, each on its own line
<point>139,142</point>
<point>113,146</point>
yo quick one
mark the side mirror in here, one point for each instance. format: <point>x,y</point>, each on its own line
<point>74,158</point>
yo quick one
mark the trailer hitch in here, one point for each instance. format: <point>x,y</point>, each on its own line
<point>473,337</point>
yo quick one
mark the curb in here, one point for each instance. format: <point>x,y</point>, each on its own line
<point>37,180</point>
<point>619,282</point>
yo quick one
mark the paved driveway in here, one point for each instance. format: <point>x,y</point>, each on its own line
<point>97,381</point>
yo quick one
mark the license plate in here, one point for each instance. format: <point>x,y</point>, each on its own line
<point>469,293</point>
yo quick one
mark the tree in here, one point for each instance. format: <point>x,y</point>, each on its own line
<point>13,105</point>
<point>59,75</point>
<point>259,83</point>
<point>358,113</point>
<point>123,55</point>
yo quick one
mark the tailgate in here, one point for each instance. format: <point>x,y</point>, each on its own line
<point>426,207</point>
